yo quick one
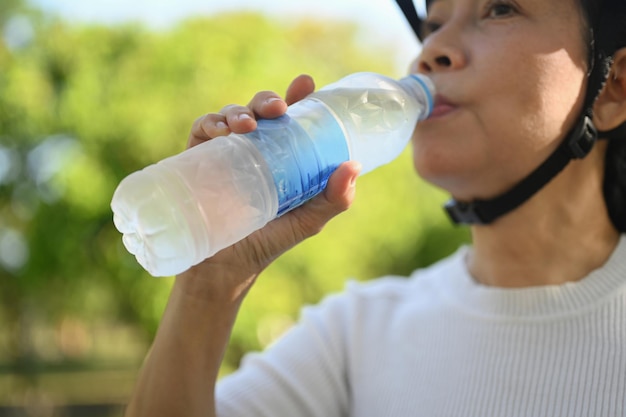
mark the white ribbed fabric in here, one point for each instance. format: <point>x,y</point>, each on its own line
<point>439,344</point>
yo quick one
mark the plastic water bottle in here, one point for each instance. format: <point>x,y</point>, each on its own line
<point>184,209</point>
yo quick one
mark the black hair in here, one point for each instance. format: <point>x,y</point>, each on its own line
<point>608,22</point>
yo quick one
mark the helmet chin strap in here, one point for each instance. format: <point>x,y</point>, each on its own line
<point>576,145</point>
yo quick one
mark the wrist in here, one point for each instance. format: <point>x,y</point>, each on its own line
<point>213,285</point>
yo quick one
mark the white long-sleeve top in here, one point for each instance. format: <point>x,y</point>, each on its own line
<point>439,344</point>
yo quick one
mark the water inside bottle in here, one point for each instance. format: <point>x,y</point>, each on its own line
<point>378,122</point>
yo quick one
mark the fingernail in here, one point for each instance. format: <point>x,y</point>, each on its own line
<point>221,125</point>
<point>270,100</point>
<point>353,181</point>
<point>244,116</point>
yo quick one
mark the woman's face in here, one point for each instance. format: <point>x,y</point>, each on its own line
<point>511,79</point>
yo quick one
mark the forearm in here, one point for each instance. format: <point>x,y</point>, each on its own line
<point>178,377</point>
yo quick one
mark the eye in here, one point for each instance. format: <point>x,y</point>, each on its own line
<point>500,9</point>
<point>429,27</point>
<point>436,14</point>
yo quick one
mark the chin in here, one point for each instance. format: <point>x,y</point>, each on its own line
<point>464,175</point>
<point>436,169</point>
<point>454,180</point>
<point>446,181</point>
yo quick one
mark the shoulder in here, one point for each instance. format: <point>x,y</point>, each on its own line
<point>389,295</point>
<point>403,288</point>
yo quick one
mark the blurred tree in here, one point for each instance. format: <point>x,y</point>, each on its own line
<point>82,107</point>
<point>9,8</point>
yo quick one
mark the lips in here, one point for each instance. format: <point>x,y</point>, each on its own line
<point>442,106</point>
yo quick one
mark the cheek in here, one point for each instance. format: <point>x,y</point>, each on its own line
<point>555,100</point>
<point>534,108</point>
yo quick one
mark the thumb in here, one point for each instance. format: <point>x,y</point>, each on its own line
<point>336,198</point>
<point>300,87</point>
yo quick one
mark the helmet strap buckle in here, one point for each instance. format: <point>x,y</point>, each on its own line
<point>583,138</point>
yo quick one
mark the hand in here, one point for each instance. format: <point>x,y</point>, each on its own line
<point>231,272</point>
<point>242,119</point>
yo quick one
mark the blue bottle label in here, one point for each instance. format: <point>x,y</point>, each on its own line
<point>301,157</point>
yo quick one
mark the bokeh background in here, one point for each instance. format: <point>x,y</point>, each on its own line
<point>92,92</point>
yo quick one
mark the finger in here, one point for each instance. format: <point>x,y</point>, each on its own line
<point>267,105</point>
<point>287,231</point>
<point>208,127</point>
<point>240,119</point>
<point>339,192</point>
<point>300,87</point>
<point>336,198</point>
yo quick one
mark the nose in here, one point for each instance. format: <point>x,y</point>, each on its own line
<point>442,50</point>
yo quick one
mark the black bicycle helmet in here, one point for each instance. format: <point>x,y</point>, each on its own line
<point>607,34</point>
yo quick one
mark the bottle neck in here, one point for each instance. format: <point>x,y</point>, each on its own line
<point>422,89</point>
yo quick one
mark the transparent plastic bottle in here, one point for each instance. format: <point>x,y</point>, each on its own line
<point>184,209</point>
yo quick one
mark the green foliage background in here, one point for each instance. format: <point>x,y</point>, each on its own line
<point>82,106</point>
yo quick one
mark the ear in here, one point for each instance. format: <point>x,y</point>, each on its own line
<point>609,110</point>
